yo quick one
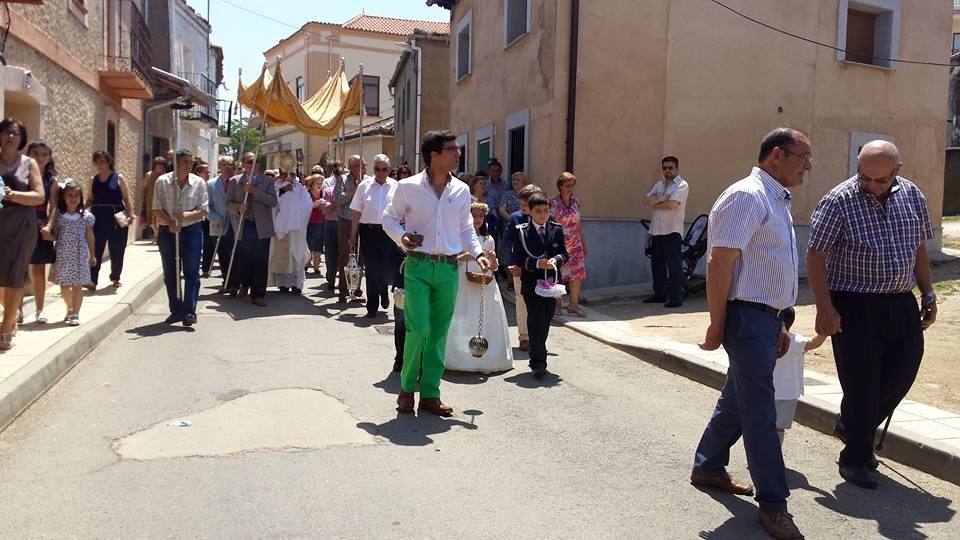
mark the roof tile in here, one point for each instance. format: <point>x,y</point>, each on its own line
<point>390,25</point>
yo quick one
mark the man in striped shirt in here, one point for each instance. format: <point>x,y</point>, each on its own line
<point>751,277</point>
<point>867,250</point>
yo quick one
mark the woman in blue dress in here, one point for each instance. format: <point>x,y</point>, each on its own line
<point>109,196</point>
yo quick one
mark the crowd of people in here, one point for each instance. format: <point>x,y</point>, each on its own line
<point>437,245</point>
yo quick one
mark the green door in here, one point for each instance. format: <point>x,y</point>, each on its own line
<point>483,154</point>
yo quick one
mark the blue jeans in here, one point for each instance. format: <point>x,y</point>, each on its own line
<point>746,407</point>
<point>191,246</point>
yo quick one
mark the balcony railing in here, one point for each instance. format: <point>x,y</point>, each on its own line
<point>201,82</point>
<point>128,71</point>
<point>201,113</point>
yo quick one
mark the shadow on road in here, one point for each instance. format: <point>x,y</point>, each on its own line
<point>526,380</point>
<point>410,430</point>
<point>158,329</point>
<point>390,384</point>
<point>743,519</point>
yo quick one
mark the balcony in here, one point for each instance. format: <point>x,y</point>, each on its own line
<point>201,82</point>
<point>201,113</point>
<point>127,73</point>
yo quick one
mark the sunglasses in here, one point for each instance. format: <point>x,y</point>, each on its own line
<point>249,162</point>
<point>381,169</point>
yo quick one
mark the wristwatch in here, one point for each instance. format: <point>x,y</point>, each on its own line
<point>928,298</point>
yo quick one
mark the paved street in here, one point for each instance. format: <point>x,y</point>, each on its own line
<point>293,434</point>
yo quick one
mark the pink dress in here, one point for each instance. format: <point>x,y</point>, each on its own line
<point>569,218</point>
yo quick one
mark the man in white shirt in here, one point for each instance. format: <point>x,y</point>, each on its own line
<point>429,217</point>
<point>668,198</point>
<point>376,248</point>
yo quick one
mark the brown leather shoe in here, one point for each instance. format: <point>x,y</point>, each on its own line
<point>259,302</point>
<point>779,525</point>
<point>524,345</point>
<point>725,482</point>
<point>434,406</point>
<point>243,292</point>
<point>405,402</point>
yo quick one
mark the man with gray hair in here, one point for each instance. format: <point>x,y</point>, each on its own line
<point>378,251</point>
<point>344,190</point>
<point>219,225</point>
<point>867,250</point>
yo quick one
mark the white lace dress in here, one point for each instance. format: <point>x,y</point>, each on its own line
<point>466,315</point>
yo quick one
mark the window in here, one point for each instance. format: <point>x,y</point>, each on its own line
<point>464,31</point>
<point>516,142</point>
<point>484,145</point>
<point>857,140</point>
<point>112,139</point>
<point>516,20</point>
<point>371,94</point>
<point>300,89</point>
<point>868,31</point>
<point>956,43</point>
<point>462,143</point>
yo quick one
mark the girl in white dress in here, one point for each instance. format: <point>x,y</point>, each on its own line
<point>466,316</point>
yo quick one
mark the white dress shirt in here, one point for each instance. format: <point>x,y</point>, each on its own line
<point>670,221</point>
<point>445,221</point>
<point>753,216</point>
<point>371,199</point>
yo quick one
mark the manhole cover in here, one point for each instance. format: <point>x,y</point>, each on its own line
<point>384,329</point>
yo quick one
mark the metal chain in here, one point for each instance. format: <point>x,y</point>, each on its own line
<point>483,290</point>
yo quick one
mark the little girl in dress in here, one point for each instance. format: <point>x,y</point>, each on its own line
<point>74,248</point>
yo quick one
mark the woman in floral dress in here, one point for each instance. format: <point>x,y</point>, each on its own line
<point>565,209</point>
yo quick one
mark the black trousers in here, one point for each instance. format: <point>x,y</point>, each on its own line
<point>379,255</point>
<point>667,267</point>
<point>116,239</point>
<point>331,245</point>
<point>540,312</point>
<point>250,262</point>
<point>222,252</point>
<point>878,355</point>
<point>209,242</point>
<point>399,322</point>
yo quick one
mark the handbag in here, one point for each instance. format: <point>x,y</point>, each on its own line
<point>546,287</point>
<point>121,218</point>
<point>478,277</point>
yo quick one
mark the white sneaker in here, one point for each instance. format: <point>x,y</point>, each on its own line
<point>73,320</point>
<point>41,317</point>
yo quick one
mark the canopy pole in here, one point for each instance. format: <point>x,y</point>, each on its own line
<point>363,109</point>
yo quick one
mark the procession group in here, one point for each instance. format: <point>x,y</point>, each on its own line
<point>426,240</point>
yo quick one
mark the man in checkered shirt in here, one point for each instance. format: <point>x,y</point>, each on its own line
<point>866,251</point>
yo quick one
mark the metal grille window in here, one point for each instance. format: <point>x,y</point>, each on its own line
<point>300,89</point>
<point>516,21</point>
<point>517,149</point>
<point>371,94</point>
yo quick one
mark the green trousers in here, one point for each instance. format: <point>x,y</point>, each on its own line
<point>429,300</point>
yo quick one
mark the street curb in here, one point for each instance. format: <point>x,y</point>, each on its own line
<point>921,453</point>
<point>22,388</point>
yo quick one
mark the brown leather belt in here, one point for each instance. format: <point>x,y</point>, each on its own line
<point>449,259</point>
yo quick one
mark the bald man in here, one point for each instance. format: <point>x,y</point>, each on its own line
<point>867,250</point>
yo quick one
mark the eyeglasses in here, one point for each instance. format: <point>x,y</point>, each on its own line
<point>449,148</point>
<point>806,157</point>
<point>381,169</point>
<point>880,179</point>
<point>248,162</point>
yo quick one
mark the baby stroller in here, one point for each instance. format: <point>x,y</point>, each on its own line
<point>692,249</point>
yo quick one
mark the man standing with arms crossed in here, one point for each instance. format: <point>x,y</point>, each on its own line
<point>668,198</point>
<point>867,250</point>
<point>751,277</point>
<point>429,217</point>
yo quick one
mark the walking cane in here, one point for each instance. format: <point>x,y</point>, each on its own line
<point>883,434</point>
<point>176,240</point>
<point>253,171</point>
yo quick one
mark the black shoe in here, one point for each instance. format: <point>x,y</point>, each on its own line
<point>190,319</point>
<point>295,291</point>
<point>672,304</point>
<point>384,300</point>
<point>173,319</point>
<point>859,476</point>
<point>330,286</point>
<point>371,314</point>
<point>539,373</point>
<point>205,275</point>
<point>284,289</point>
<point>654,300</point>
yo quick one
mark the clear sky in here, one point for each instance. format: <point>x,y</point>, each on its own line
<point>246,28</point>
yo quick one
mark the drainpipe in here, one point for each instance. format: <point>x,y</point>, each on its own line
<point>572,81</point>
<point>416,66</point>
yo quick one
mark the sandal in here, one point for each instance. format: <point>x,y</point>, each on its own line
<point>6,341</point>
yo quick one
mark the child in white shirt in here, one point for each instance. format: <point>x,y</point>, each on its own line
<point>788,373</point>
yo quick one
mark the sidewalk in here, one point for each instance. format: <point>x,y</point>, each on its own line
<point>920,435</point>
<point>44,353</point>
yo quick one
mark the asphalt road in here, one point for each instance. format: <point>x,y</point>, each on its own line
<point>293,434</point>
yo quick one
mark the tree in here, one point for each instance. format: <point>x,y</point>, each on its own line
<point>237,137</point>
